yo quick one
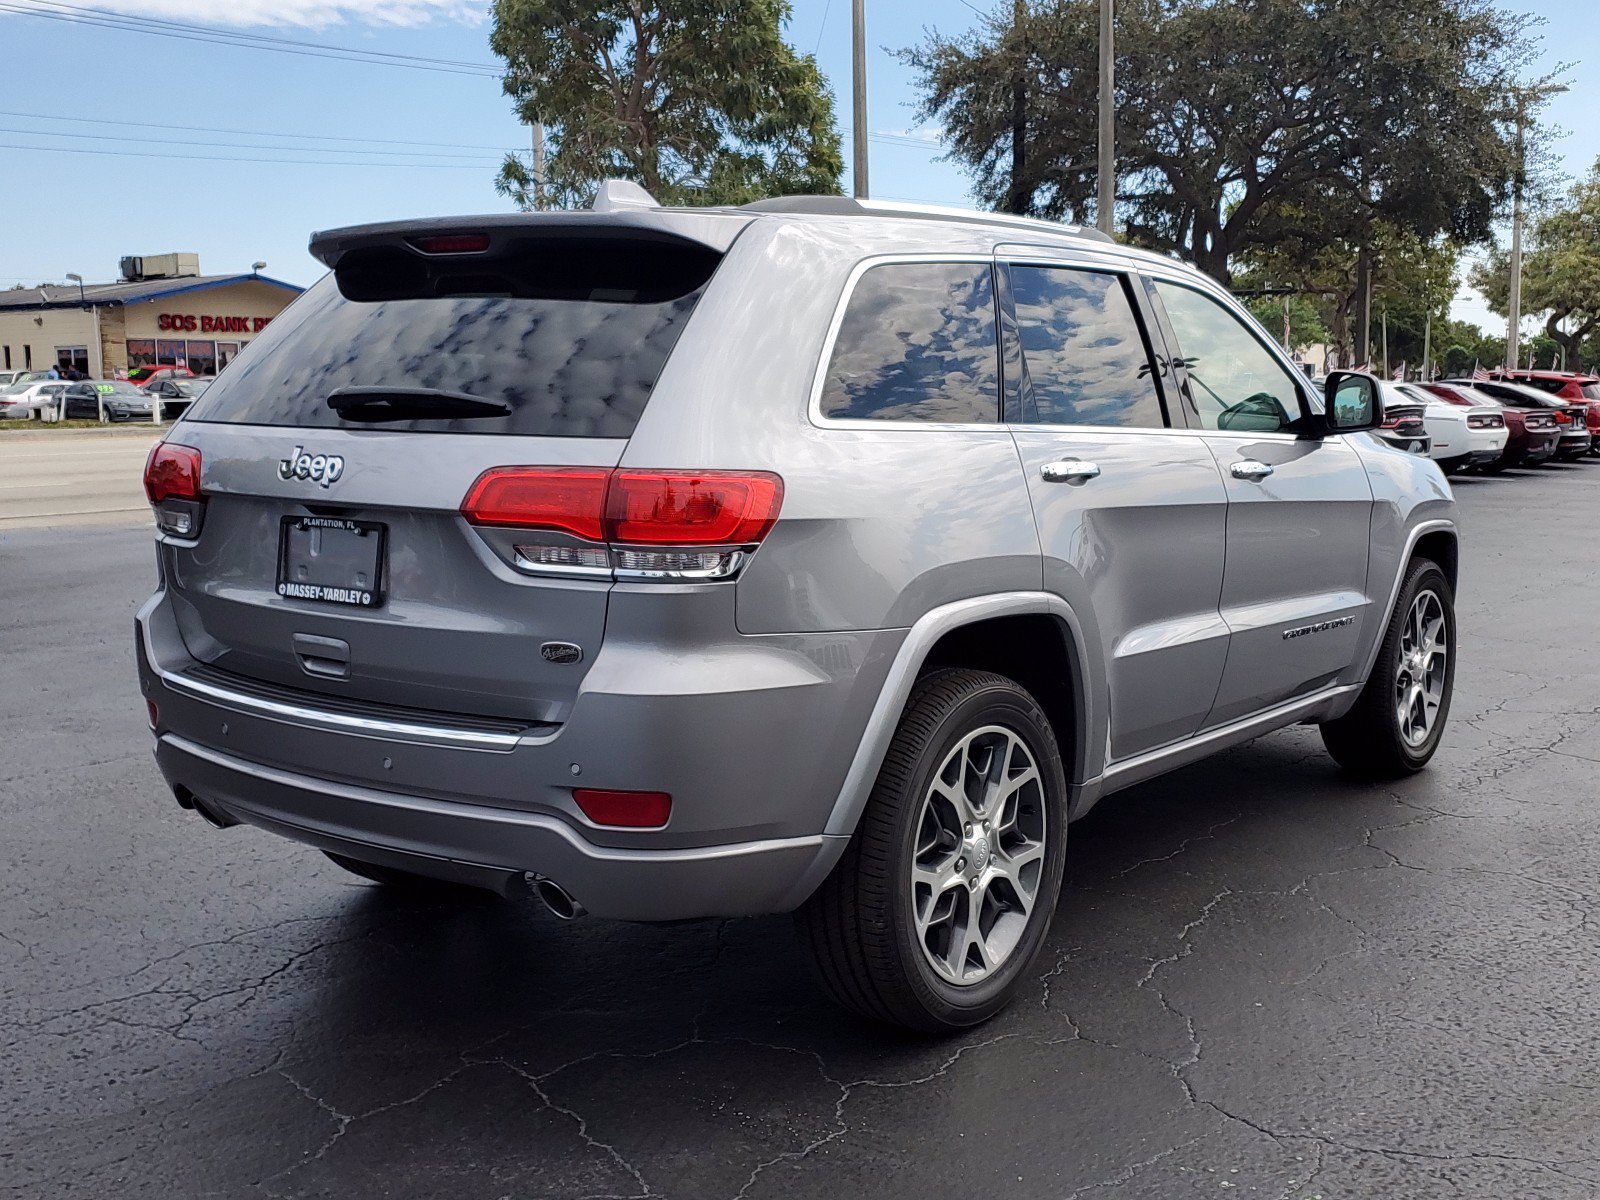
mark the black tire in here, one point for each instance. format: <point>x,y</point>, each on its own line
<point>1494,468</point>
<point>859,926</point>
<point>1367,741</point>
<point>403,881</point>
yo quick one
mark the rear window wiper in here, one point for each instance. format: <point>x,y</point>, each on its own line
<point>411,404</point>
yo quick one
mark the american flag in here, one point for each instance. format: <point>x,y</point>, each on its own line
<point>1479,374</point>
<point>1364,367</point>
<point>1399,375</point>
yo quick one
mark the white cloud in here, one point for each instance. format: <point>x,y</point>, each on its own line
<point>311,14</point>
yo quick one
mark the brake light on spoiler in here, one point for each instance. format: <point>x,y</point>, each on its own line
<point>628,523</point>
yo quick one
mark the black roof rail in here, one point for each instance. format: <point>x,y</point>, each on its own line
<point>845,206</point>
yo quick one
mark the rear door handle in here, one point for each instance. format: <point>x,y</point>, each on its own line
<point>1069,471</point>
<point>1251,470</point>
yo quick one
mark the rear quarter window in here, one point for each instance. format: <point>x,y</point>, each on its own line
<point>918,342</point>
<point>570,336</point>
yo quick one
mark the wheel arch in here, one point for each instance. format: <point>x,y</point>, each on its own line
<point>996,633</point>
<point>1440,546</point>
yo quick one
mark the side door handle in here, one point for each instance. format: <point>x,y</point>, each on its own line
<point>1069,471</point>
<point>1251,470</point>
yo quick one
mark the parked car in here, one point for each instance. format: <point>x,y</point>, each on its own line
<point>799,605</point>
<point>1571,386</point>
<point>1404,426</point>
<point>176,395</point>
<point>121,400</point>
<point>1532,435</point>
<point>1458,437</point>
<point>143,376</point>
<point>1572,419</point>
<point>7,378</point>
<point>31,399</point>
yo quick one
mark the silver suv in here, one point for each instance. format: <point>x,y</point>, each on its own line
<point>812,556</point>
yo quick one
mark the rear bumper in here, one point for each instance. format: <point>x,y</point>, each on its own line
<point>751,736</point>
<point>495,847</point>
<point>1573,445</point>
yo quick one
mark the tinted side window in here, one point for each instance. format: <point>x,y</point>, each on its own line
<point>1234,383</point>
<point>1084,357</point>
<point>917,343</point>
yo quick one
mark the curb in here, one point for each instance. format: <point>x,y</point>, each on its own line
<point>122,431</point>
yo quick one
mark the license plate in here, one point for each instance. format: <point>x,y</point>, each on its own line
<point>332,561</point>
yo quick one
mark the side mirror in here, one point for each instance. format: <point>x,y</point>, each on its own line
<point>1351,402</point>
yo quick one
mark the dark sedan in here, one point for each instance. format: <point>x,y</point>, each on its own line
<point>176,395</point>
<point>1572,418</point>
<point>1532,434</point>
<point>118,400</point>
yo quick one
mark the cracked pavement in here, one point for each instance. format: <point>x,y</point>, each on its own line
<point>1263,980</point>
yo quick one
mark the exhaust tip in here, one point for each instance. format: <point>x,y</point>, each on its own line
<point>561,903</point>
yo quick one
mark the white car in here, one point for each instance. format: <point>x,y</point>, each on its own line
<point>31,398</point>
<point>1462,437</point>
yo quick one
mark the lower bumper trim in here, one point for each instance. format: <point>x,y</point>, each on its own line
<point>479,844</point>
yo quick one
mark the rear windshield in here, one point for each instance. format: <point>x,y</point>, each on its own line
<point>570,336</point>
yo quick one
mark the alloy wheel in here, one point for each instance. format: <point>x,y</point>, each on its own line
<point>979,855</point>
<point>1420,675</point>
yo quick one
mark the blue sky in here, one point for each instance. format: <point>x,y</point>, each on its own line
<point>67,207</point>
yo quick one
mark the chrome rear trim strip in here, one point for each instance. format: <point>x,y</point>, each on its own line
<point>366,726</point>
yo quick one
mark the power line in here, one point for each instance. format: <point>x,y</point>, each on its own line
<point>192,158</point>
<point>114,137</point>
<point>317,137</point>
<point>105,19</point>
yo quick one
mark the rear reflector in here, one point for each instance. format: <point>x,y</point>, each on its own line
<point>626,810</point>
<point>452,243</point>
<point>172,472</point>
<point>663,524</point>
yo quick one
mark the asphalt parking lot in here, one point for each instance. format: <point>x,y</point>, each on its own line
<point>1263,980</point>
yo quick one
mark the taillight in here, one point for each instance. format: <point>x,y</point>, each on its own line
<point>635,523</point>
<point>1563,418</point>
<point>1486,422</point>
<point>565,499</point>
<point>626,810</point>
<point>172,484</point>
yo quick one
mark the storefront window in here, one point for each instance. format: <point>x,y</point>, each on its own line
<point>202,357</point>
<point>169,354</point>
<point>72,358</point>
<point>141,352</point>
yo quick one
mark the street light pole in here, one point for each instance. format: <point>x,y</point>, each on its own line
<point>859,93</point>
<point>1107,202</point>
<point>1514,300</point>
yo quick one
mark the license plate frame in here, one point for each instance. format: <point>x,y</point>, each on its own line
<point>338,579</point>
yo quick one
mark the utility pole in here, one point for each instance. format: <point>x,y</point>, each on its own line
<point>1017,202</point>
<point>1107,202</point>
<point>1363,354</point>
<point>1514,303</point>
<point>538,165</point>
<point>859,93</point>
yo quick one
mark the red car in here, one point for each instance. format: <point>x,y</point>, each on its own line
<point>1532,434</point>
<point>1570,386</point>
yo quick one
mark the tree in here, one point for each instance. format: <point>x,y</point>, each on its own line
<point>1413,281</point>
<point>1560,273</point>
<point>1244,122</point>
<point>698,101</point>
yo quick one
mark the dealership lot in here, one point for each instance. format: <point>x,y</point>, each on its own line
<point>1264,980</point>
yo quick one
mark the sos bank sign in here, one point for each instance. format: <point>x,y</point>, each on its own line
<point>188,323</point>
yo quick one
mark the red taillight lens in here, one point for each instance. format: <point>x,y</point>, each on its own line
<point>452,243</point>
<point>566,499</point>
<point>628,810</point>
<point>628,507</point>
<point>682,508</point>
<point>172,472</point>
<point>1563,418</point>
